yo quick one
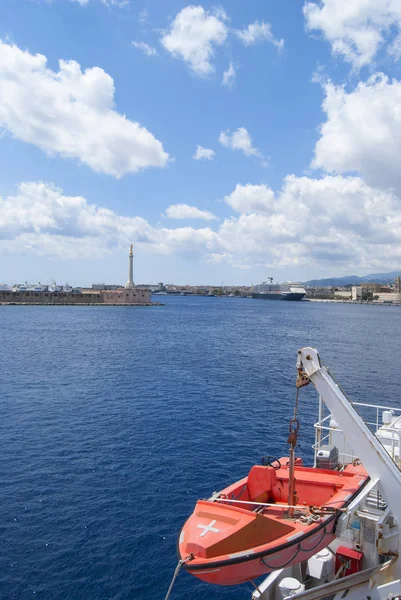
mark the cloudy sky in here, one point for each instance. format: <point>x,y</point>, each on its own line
<point>227,141</point>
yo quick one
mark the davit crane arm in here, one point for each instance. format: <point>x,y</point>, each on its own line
<point>374,457</point>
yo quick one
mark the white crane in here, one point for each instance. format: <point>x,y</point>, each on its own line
<point>376,581</point>
<point>373,456</point>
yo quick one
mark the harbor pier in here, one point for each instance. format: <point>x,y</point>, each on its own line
<point>121,297</point>
<point>130,295</point>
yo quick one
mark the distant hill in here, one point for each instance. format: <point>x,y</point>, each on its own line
<point>354,279</point>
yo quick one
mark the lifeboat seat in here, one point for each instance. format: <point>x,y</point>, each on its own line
<point>261,483</point>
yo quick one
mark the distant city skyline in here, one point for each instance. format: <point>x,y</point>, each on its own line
<point>264,142</point>
<point>334,280</point>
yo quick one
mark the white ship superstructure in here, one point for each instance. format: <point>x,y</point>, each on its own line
<point>278,291</point>
<point>20,288</point>
<point>37,288</point>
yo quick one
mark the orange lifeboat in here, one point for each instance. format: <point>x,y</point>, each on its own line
<point>247,530</point>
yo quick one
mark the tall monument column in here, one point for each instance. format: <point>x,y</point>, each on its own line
<point>130,283</point>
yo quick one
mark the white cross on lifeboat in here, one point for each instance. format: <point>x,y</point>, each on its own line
<point>209,527</point>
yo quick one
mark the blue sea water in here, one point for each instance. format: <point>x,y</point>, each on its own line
<point>115,420</point>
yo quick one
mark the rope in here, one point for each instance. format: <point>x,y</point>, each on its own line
<point>298,550</point>
<point>275,505</point>
<point>324,533</point>
<point>240,494</point>
<point>296,405</point>
<point>177,570</point>
<point>285,564</point>
<point>293,429</point>
<point>256,587</point>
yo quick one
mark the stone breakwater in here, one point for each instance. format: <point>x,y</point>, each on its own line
<point>121,297</point>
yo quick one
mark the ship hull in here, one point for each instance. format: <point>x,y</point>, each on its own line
<point>242,570</point>
<point>290,296</point>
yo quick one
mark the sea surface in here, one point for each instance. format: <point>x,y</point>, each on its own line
<point>115,420</point>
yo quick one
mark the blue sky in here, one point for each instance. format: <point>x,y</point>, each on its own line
<point>295,108</point>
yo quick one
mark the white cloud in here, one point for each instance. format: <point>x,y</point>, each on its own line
<point>196,33</point>
<point>203,153</point>
<point>257,32</point>
<point>143,16</point>
<point>338,222</point>
<point>251,199</point>
<point>145,48</point>
<point>193,36</point>
<point>395,47</point>
<point>71,113</point>
<point>334,221</point>
<point>119,3</point>
<point>356,29</point>
<point>184,211</point>
<point>239,140</point>
<point>362,132</point>
<point>44,221</point>
<point>229,76</point>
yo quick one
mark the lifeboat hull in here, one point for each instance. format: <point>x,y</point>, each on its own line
<point>229,541</point>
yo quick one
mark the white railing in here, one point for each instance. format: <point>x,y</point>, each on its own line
<point>372,416</point>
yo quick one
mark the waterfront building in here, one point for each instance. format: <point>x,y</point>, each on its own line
<point>106,286</point>
<point>356,293</point>
<point>342,294</point>
<point>391,297</point>
<point>130,295</point>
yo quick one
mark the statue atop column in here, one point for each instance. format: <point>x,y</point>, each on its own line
<point>130,283</point>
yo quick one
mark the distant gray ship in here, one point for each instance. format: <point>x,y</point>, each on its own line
<point>275,291</point>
